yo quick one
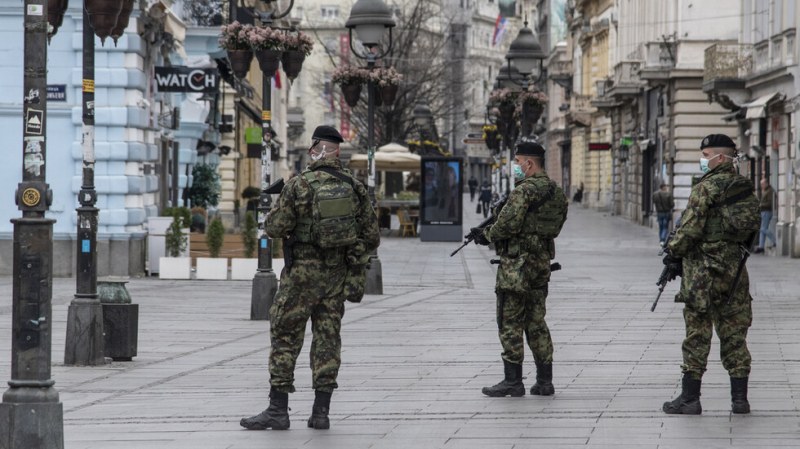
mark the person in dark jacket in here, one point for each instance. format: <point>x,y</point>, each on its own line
<point>473,186</point>
<point>485,198</point>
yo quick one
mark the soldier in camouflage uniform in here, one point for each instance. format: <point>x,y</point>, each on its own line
<point>322,276</point>
<point>719,221</point>
<point>524,236</point>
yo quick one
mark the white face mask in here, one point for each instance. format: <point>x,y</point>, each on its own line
<point>317,156</point>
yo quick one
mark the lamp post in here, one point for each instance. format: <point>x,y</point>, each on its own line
<point>265,282</point>
<point>370,19</point>
<point>422,119</point>
<point>84,344</point>
<point>31,414</point>
<point>525,56</point>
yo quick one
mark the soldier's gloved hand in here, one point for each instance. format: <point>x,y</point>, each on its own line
<point>674,266</point>
<point>480,237</point>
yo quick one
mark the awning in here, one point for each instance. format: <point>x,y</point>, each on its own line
<point>756,109</point>
<point>393,148</point>
<point>384,161</point>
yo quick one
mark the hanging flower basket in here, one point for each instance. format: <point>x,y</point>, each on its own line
<point>389,93</point>
<point>268,60</point>
<point>531,112</point>
<point>55,15</point>
<point>292,63</point>
<point>298,47</point>
<point>102,16</point>
<point>123,20</point>
<point>352,92</point>
<point>506,111</point>
<point>240,62</point>
<point>491,136</point>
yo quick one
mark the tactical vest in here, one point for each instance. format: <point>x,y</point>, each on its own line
<point>551,213</point>
<point>333,220</point>
<point>735,216</point>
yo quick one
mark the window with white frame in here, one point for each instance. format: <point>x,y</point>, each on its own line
<point>329,12</point>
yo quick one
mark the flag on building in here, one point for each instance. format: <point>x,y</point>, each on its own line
<point>500,26</point>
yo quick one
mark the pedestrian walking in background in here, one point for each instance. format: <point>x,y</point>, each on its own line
<point>485,198</point>
<point>473,186</point>
<point>524,237</point>
<point>329,229</point>
<point>664,204</point>
<point>578,197</point>
<point>766,205</point>
<point>720,218</point>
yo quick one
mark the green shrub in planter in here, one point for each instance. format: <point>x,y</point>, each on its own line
<point>183,214</point>
<point>215,236</point>
<point>249,236</point>
<point>175,241</point>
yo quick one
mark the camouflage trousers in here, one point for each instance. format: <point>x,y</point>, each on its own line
<point>519,313</point>
<point>731,323</point>
<point>309,290</point>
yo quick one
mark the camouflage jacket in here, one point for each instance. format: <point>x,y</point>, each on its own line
<point>524,255</point>
<point>709,267</point>
<point>296,200</point>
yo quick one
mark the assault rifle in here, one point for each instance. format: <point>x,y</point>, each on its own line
<point>469,238</point>
<point>667,274</point>
<point>745,255</point>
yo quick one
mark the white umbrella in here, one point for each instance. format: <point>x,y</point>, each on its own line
<point>393,148</point>
<point>388,161</point>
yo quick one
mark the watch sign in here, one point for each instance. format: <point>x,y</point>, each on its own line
<point>187,79</point>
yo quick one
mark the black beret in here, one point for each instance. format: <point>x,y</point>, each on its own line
<point>327,133</point>
<point>717,141</point>
<point>529,148</point>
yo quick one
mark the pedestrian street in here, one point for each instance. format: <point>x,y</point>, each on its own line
<point>415,359</point>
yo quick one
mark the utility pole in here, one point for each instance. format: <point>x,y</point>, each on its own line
<point>84,344</point>
<point>31,415</point>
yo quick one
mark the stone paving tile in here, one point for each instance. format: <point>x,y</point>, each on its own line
<point>415,359</point>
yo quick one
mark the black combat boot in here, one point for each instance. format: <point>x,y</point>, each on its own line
<point>739,403</point>
<point>688,403</point>
<point>544,380</point>
<point>275,417</point>
<point>511,385</point>
<point>319,413</point>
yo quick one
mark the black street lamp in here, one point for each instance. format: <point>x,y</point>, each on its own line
<point>370,19</point>
<point>265,282</point>
<point>31,414</point>
<point>527,55</point>
<point>422,119</point>
<point>84,344</point>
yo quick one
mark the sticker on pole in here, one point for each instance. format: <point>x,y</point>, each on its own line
<point>34,121</point>
<point>35,10</point>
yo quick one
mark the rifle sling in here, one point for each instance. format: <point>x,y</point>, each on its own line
<point>336,174</point>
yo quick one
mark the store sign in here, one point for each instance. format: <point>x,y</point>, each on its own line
<point>187,79</point>
<point>599,146</point>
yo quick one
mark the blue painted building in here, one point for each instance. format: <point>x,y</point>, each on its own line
<point>134,136</point>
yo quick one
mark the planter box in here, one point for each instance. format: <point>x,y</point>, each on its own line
<point>212,268</point>
<point>175,268</point>
<point>243,269</point>
<point>156,235</point>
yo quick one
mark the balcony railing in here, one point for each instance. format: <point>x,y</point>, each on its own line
<point>580,103</point>
<point>727,62</point>
<point>560,70</point>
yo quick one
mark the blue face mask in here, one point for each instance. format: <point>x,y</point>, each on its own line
<point>518,173</point>
<point>704,165</point>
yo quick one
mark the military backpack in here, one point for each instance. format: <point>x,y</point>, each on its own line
<point>735,217</point>
<point>333,221</point>
<point>551,212</point>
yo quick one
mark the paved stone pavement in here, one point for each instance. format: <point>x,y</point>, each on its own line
<point>415,359</point>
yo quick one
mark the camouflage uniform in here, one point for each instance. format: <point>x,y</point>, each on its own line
<point>709,269</point>
<point>315,285</point>
<point>524,270</point>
